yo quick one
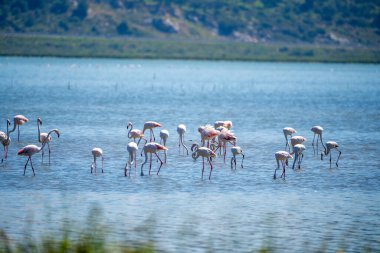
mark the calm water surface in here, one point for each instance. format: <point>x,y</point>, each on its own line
<point>92,100</point>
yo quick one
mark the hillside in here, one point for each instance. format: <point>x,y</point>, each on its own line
<point>345,23</point>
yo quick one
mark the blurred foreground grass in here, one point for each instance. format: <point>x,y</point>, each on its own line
<point>57,46</point>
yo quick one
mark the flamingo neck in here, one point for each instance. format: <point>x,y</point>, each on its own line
<point>39,132</point>
<point>14,127</point>
<point>129,133</point>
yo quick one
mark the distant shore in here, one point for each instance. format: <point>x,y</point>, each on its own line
<point>98,47</point>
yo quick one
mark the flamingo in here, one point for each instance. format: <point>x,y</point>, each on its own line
<point>288,131</point>
<point>30,150</point>
<point>297,140</point>
<point>132,150</point>
<point>282,156</point>
<point>298,155</point>
<point>42,138</point>
<point>205,153</point>
<point>164,135</point>
<point>227,124</point>
<point>97,152</point>
<point>236,150</point>
<point>181,130</point>
<point>226,136</point>
<point>17,121</point>
<point>6,141</point>
<point>317,130</point>
<point>135,134</point>
<point>150,125</point>
<point>330,145</point>
<point>152,148</point>
<point>207,133</point>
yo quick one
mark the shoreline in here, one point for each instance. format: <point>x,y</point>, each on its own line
<point>135,48</point>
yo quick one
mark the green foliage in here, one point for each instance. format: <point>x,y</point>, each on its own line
<point>81,10</point>
<point>123,28</point>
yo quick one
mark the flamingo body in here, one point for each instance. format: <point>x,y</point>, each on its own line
<point>181,130</point>
<point>236,150</point>
<point>17,121</point>
<point>152,148</point>
<point>132,151</point>
<point>96,153</point>
<point>204,153</point>
<point>227,124</point>
<point>150,125</point>
<point>317,130</point>
<point>282,156</point>
<point>164,135</point>
<point>288,131</point>
<point>331,145</point>
<point>135,134</point>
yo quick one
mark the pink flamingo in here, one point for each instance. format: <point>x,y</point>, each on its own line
<point>227,124</point>
<point>97,152</point>
<point>6,141</point>
<point>288,131</point>
<point>42,137</point>
<point>297,140</point>
<point>207,133</point>
<point>150,125</point>
<point>226,136</point>
<point>132,150</point>
<point>205,153</point>
<point>298,155</point>
<point>317,130</point>
<point>152,148</point>
<point>330,145</point>
<point>181,130</point>
<point>164,135</point>
<point>282,156</point>
<point>135,134</point>
<point>236,150</point>
<point>30,150</point>
<point>17,121</point>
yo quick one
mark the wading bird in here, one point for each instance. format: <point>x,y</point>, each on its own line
<point>30,150</point>
<point>297,140</point>
<point>317,130</point>
<point>236,150</point>
<point>204,153</point>
<point>282,156</point>
<point>42,137</point>
<point>17,121</point>
<point>330,145</point>
<point>220,123</point>
<point>181,130</point>
<point>97,152</point>
<point>150,125</point>
<point>135,134</point>
<point>225,137</point>
<point>288,131</point>
<point>164,135</point>
<point>298,155</point>
<point>152,148</point>
<point>6,141</point>
<point>207,133</point>
<point>132,151</point>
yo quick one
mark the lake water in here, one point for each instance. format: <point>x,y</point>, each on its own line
<point>92,100</point>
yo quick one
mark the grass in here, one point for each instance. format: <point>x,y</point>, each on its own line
<point>57,46</point>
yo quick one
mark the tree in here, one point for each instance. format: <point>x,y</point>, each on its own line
<point>81,10</point>
<point>123,28</point>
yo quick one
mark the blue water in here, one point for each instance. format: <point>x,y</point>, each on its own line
<point>92,100</point>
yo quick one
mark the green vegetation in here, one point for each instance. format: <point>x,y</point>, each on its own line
<point>291,30</point>
<point>178,49</point>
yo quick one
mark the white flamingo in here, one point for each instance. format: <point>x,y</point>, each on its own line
<point>208,133</point>
<point>135,134</point>
<point>30,150</point>
<point>298,155</point>
<point>97,152</point>
<point>150,125</point>
<point>220,123</point>
<point>204,153</point>
<point>152,148</point>
<point>317,130</point>
<point>225,137</point>
<point>236,150</point>
<point>164,135</point>
<point>330,145</point>
<point>288,131</point>
<point>181,130</point>
<point>132,151</point>
<point>282,156</point>
<point>42,137</point>
<point>6,141</point>
<point>17,121</point>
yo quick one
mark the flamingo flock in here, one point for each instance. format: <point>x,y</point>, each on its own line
<point>212,138</point>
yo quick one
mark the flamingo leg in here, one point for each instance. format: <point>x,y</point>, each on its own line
<point>340,152</point>
<point>49,151</point>
<point>278,166</point>
<point>283,169</point>
<point>102,164</point>
<point>150,165</point>
<point>295,159</point>
<point>203,166</point>
<point>330,159</point>
<point>242,160</point>
<point>142,165</point>
<point>209,161</point>
<point>42,155</point>
<point>27,161</point>
<point>18,133</point>
<point>6,152</point>
<point>125,168</point>
<point>134,157</point>
<point>160,164</point>
<point>232,158</point>
<point>224,153</point>
<point>32,166</point>
<point>312,144</point>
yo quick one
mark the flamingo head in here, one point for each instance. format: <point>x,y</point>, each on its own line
<point>194,147</point>
<point>129,125</point>
<point>8,122</point>
<point>161,147</point>
<point>39,121</point>
<point>22,151</point>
